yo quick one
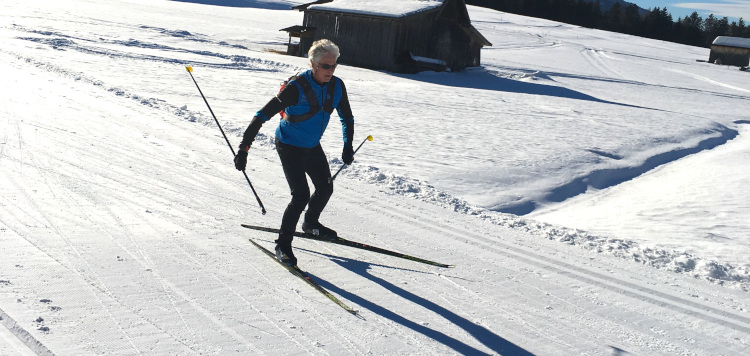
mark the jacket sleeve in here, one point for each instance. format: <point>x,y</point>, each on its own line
<point>286,98</point>
<point>345,114</point>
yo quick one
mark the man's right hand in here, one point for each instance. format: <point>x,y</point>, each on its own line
<point>240,160</point>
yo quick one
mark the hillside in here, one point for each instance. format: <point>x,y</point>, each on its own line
<point>120,208</point>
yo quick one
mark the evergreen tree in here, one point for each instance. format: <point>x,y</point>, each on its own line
<point>734,29</point>
<point>596,13</point>
<point>723,27</point>
<point>528,7</point>
<point>714,27</point>
<point>632,19</point>
<point>695,21</point>
<point>657,23</point>
<point>693,30</point>
<point>614,18</point>
<point>709,30</point>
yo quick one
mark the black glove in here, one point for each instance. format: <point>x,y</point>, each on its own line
<point>348,155</point>
<point>240,160</point>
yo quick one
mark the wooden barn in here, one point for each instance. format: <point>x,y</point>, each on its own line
<point>394,35</point>
<point>730,51</point>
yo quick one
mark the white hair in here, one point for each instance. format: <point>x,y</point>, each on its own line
<point>320,47</point>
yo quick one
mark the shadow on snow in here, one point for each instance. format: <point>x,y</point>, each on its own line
<point>483,79</point>
<point>489,339</point>
<point>605,178</point>
<point>258,4</point>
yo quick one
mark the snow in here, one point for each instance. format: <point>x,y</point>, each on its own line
<point>384,8</point>
<point>732,41</point>
<point>691,203</point>
<point>428,60</point>
<point>120,209</point>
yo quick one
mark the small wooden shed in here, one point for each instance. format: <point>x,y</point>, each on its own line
<point>730,51</point>
<point>301,33</point>
<point>395,35</point>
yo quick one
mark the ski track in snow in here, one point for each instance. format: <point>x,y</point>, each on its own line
<point>520,260</point>
<point>479,241</point>
<point>680,262</point>
<point>596,58</point>
<point>102,47</point>
<point>400,185</point>
<point>415,189</point>
<point>561,267</point>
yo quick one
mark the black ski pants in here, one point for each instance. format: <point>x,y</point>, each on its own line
<point>298,162</point>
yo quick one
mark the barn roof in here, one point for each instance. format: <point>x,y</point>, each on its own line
<point>732,41</point>
<point>381,8</point>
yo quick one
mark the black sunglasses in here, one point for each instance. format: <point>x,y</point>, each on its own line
<point>328,66</point>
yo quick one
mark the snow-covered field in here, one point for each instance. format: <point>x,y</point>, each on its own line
<point>120,208</point>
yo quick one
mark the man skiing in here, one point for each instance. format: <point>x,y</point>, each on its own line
<point>307,101</point>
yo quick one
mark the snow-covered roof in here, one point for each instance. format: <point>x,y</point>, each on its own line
<point>385,8</point>
<point>732,41</point>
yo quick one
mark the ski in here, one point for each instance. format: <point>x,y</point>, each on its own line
<point>354,244</point>
<point>302,275</point>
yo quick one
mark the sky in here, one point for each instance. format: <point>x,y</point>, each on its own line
<point>733,9</point>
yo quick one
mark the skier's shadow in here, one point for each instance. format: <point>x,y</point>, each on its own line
<point>489,339</point>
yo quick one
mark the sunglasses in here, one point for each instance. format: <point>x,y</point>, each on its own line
<point>327,66</point>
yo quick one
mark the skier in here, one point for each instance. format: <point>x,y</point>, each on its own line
<point>307,101</point>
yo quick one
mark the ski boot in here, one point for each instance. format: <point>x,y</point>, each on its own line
<point>319,231</point>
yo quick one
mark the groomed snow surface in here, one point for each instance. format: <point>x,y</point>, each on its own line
<point>590,188</point>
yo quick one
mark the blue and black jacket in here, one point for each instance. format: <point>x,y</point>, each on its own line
<point>307,106</point>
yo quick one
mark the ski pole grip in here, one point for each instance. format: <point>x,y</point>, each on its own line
<point>368,138</point>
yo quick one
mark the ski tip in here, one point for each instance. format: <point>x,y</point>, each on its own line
<point>189,69</point>
<point>355,313</point>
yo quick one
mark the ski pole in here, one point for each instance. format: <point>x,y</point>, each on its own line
<point>368,138</point>
<point>190,71</point>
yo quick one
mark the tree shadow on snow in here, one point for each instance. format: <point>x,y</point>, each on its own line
<point>258,4</point>
<point>489,339</point>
